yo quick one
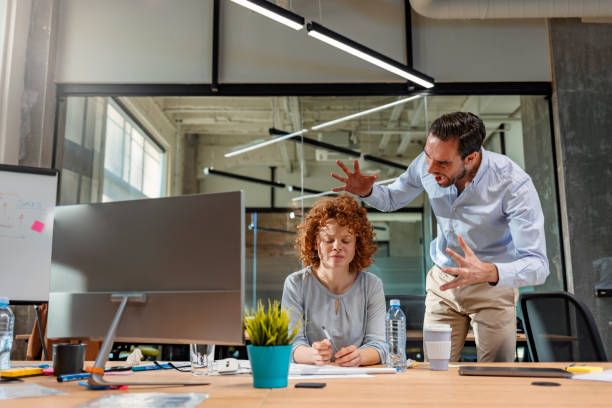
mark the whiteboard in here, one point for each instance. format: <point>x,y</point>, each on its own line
<point>27,202</point>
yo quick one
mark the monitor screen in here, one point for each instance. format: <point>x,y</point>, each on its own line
<point>185,253</point>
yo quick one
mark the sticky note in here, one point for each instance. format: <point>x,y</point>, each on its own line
<point>38,226</point>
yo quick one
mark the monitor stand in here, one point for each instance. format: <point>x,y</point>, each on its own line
<point>97,379</point>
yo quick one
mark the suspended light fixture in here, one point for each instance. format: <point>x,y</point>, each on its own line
<point>266,143</point>
<point>305,197</point>
<point>330,37</point>
<point>274,12</point>
<point>365,112</point>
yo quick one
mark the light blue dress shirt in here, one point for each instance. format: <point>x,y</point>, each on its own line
<point>498,215</point>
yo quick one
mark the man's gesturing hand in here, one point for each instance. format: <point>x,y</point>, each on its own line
<point>356,182</point>
<point>471,269</point>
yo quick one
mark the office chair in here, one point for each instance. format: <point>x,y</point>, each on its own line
<point>559,327</point>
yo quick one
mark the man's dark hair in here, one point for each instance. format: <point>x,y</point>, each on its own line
<point>463,126</point>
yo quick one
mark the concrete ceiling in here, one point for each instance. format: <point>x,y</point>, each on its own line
<point>228,122</point>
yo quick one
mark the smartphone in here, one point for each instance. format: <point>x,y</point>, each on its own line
<point>310,385</point>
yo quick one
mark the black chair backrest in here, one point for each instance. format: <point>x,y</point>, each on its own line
<point>559,327</point>
<point>413,307</point>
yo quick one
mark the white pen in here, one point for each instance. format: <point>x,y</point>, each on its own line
<point>330,338</point>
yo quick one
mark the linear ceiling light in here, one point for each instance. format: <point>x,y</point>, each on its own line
<point>304,197</point>
<point>365,112</point>
<point>330,37</point>
<point>266,143</point>
<point>274,12</point>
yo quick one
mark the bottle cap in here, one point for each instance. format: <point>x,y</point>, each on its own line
<point>4,301</point>
<point>394,302</point>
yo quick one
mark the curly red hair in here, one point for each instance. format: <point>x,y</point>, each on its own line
<point>348,213</point>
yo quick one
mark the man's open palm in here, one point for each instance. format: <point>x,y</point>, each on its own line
<point>355,182</point>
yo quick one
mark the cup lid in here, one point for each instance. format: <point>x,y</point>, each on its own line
<point>438,327</point>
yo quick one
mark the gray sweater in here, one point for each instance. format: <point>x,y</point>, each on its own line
<point>360,319</point>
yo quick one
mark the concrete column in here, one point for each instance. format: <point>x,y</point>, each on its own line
<point>581,60</point>
<point>538,153</point>
<point>38,102</point>
<point>190,167</point>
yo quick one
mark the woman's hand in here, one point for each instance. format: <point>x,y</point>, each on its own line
<point>321,352</point>
<point>348,356</point>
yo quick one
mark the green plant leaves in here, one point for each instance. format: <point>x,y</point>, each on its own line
<point>270,327</point>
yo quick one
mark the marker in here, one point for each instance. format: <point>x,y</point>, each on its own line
<point>72,377</point>
<point>329,338</point>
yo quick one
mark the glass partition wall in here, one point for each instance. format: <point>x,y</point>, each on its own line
<point>136,147</point>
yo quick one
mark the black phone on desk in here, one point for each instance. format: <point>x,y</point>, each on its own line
<point>310,385</point>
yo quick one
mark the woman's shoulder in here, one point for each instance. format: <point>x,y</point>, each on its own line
<point>298,278</point>
<point>371,280</point>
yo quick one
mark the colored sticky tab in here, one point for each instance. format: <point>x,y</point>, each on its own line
<point>38,226</point>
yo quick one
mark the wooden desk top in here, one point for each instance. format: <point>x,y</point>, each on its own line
<point>416,387</point>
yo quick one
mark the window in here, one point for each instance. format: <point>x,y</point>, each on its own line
<point>106,155</point>
<point>133,162</point>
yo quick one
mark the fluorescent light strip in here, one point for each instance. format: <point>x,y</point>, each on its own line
<point>265,8</point>
<point>266,143</point>
<point>366,112</point>
<point>305,197</point>
<point>367,57</point>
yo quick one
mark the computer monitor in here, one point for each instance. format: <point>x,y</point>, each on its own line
<point>177,264</point>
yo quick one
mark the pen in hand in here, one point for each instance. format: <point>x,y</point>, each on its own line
<point>329,338</point>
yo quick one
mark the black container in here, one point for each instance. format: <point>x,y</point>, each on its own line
<point>68,358</point>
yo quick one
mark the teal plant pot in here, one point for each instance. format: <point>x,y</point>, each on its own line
<point>270,365</point>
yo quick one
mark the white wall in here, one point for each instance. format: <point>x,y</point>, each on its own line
<point>481,50</point>
<point>135,41</point>
<point>257,49</point>
<point>164,41</point>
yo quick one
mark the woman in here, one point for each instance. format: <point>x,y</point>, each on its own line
<point>333,291</point>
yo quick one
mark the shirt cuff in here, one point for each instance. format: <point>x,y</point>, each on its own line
<point>506,274</point>
<point>371,199</point>
<point>295,345</point>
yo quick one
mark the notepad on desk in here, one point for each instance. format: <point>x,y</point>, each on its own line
<point>307,371</point>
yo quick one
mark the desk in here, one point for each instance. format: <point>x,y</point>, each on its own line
<point>416,387</point>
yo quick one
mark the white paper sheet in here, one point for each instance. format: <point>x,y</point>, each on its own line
<point>328,377</point>
<point>9,391</point>
<point>600,376</point>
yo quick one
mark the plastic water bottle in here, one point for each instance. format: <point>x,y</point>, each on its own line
<point>395,325</point>
<point>7,322</point>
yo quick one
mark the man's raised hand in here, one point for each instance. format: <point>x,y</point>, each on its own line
<point>355,182</point>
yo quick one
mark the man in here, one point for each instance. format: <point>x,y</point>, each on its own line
<point>490,237</point>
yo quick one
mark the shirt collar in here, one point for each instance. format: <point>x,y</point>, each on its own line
<point>484,165</point>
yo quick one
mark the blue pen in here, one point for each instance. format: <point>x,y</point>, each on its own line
<point>150,367</point>
<point>72,377</point>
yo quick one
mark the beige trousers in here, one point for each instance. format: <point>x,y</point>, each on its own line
<point>491,312</point>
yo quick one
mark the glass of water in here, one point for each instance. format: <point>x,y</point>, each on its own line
<point>202,358</point>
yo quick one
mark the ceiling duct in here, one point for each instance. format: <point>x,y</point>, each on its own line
<point>485,9</point>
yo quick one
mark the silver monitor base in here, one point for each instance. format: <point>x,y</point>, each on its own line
<point>97,379</point>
